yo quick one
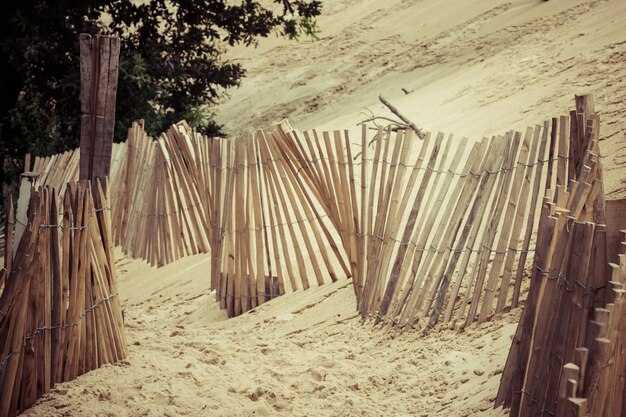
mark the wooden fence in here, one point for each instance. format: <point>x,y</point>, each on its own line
<point>568,356</point>
<point>415,218</point>
<point>593,383</point>
<point>273,234</point>
<point>283,210</point>
<point>434,230</point>
<point>431,231</point>
<point>161,191</point>
<point>59,312</point>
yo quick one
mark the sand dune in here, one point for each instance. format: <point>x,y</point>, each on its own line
<point>473,68</point>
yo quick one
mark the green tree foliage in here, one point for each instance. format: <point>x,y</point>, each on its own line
<point>171,64</point>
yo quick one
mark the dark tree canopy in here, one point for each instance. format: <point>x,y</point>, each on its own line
<point>171,64</point>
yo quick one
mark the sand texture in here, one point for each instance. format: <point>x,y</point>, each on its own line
<point>304,354</point>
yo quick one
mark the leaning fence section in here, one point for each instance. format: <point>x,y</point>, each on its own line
<point>568,355</point>
<point>433,230</point>
<point>162,208</point>
<point>60,314</point>
<point>273,236</point>
<point>161,191</point>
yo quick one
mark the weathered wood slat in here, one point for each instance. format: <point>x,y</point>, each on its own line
<point>99,65</point>
<point>535,197</point>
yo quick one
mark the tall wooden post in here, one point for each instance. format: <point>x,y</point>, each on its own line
<point>27,180</point>
<point>99,64</point>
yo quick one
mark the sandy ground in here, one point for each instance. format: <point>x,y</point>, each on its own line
<point>472,68</point>
<point>305,354</point>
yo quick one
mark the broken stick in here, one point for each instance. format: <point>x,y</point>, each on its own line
<point>395,111</point>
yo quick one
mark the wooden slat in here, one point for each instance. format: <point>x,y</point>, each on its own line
<point>347,174</point>
<point>56,289</point>
<point>228,254</point>
<point>258,221</point>
<point>88,50</point>
<point>563,152</point>
<point>272,222</point>
<point>8,239</point>
<point>552,152</point>
<point>521,265</point>
<point>100,84</point>
<point>364,215</point>
<point>355,235</point>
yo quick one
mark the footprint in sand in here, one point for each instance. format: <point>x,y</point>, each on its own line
<point>317,375</point>
<point>212,358</point>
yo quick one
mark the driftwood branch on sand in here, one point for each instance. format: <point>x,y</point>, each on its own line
<point>395,111</point>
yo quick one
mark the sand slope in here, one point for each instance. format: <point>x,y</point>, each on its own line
<point>474,68</point>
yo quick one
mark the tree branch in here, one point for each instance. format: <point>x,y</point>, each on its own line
<point>395,111</point>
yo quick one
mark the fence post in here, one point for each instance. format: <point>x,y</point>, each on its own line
<point>99,63</point>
